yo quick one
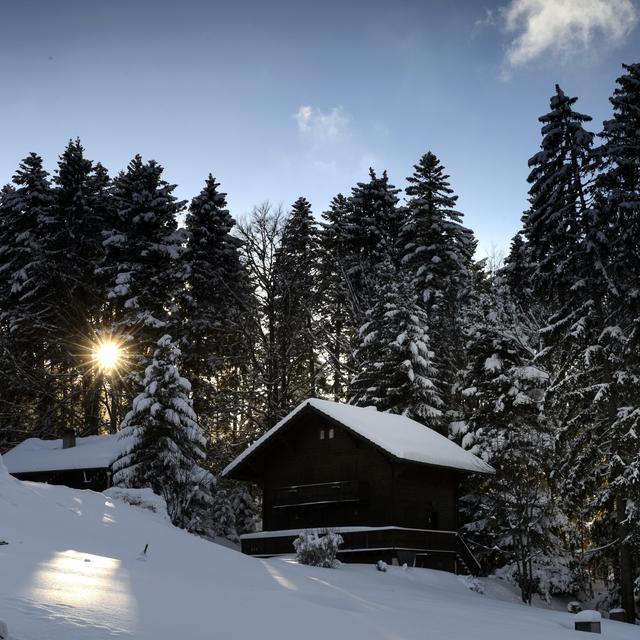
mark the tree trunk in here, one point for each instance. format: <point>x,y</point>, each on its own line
<point>625,560</point>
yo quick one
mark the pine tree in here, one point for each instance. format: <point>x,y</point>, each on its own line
<point>142,265</point>
<point>296,300</point>
<point>370,233</point>
<point>165,446</point>
<point>397,372</point>
<point>334,295</point>
<point>512,518</point>
<point>223,515</point>
<point>613,378</point>
<point>212,302</point>
<point>75,253</point>
<point>29,293</point>
<point>553,225</point>
<point>244,509</point>
<point>27,307</point>
<point>437,250</point>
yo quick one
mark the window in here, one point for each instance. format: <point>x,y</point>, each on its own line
<point>331,433</point>
<point>321,434</point>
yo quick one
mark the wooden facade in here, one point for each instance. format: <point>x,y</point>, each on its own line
<point>93,479</point>
<point>317,473</point>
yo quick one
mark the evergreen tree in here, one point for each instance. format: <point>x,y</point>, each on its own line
<point>165,446</point>
<point>142,265</point>
<point>27,301</point>
<point>611,380</point>
<point>334,294</point>
<point>397,372</point>
<point>212,302</point>
<point>81,213</point>
<point>553,226</point>
<point>370,233</point>
<point>223,515</point>
<point>437,251</point>
<point>512,518</point>
<point>29,294</point>
<point>244,509</point>
<point>296,300</point>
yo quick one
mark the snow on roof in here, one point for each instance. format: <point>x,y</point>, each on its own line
<point>398,435</point>
<point>90,452</point>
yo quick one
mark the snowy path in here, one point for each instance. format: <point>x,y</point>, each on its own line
<point>71,572</point>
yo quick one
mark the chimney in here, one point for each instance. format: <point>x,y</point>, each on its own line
<point>68,438</point>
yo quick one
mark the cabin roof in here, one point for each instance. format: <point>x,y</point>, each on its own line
<point>398,435</point>
<point>91,452</point>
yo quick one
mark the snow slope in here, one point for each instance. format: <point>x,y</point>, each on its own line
<point>71,572</point>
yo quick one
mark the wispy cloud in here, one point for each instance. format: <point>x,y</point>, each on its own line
<point>319,125</point>
<point>564,27</point>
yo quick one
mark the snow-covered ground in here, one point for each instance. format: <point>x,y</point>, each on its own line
<point>72,571</point>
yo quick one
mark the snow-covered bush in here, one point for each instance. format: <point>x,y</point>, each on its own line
<point>473,584</point>
<point>224,520</point>
<point>381,565</point>
<point>244,509</point>
<point>551,576</point>
<point>317,549</point>
<point>143,498</point>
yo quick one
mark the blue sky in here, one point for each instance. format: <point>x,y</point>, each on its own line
<point>282,99</point>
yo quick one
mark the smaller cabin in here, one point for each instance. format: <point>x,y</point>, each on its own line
<point>387,483</point>
<point>79,463</point>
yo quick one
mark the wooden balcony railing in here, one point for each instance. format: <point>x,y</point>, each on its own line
<point>358,540</point>
<point>321,493</point>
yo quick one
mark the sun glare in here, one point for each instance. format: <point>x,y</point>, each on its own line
<point>108,355</point>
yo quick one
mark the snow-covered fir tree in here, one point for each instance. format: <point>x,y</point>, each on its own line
<point>608,383</point>
<point>296,301</point>
<point>81,212</point>
<point>244,509</point>
<point>437,251</point>
<point>223,515</point>
<point>212,303</point>
<point>512,518</point>
<point>30,293</point>
<point>370,233</point>
<point>142,254</point>
<point>28,299</point>
<point>165,446</point>
<point>336,322</point>
<point>396,371</point>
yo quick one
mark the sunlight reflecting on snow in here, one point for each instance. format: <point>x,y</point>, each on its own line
<point>95,587</point>
<point>279,578</point>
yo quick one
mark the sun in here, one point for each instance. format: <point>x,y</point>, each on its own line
<point>108,355</point>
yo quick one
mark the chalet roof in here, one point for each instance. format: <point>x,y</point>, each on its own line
<point>90,452</point>
<point>398,435</point>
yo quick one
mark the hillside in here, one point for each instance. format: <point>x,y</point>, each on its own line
<point>71,571</point>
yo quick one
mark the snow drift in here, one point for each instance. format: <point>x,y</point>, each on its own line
<point>71,572</point>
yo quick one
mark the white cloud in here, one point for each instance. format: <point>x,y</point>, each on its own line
<point>564,27</point>
<point>320,125</point>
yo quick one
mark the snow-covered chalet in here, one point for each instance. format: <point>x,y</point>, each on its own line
<point>387,483</point>
<point>80,463</point>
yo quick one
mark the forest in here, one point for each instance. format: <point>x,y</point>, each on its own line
<point>532,362</point>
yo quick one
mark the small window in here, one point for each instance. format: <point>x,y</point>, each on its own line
<point>331,433</point>
<point>321,434</point>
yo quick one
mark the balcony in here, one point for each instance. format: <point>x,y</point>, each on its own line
<point>321,493</point>
<point>417,547</point>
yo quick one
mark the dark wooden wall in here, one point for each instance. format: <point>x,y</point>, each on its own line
<point>392,492</point>
<point>94,479</point>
